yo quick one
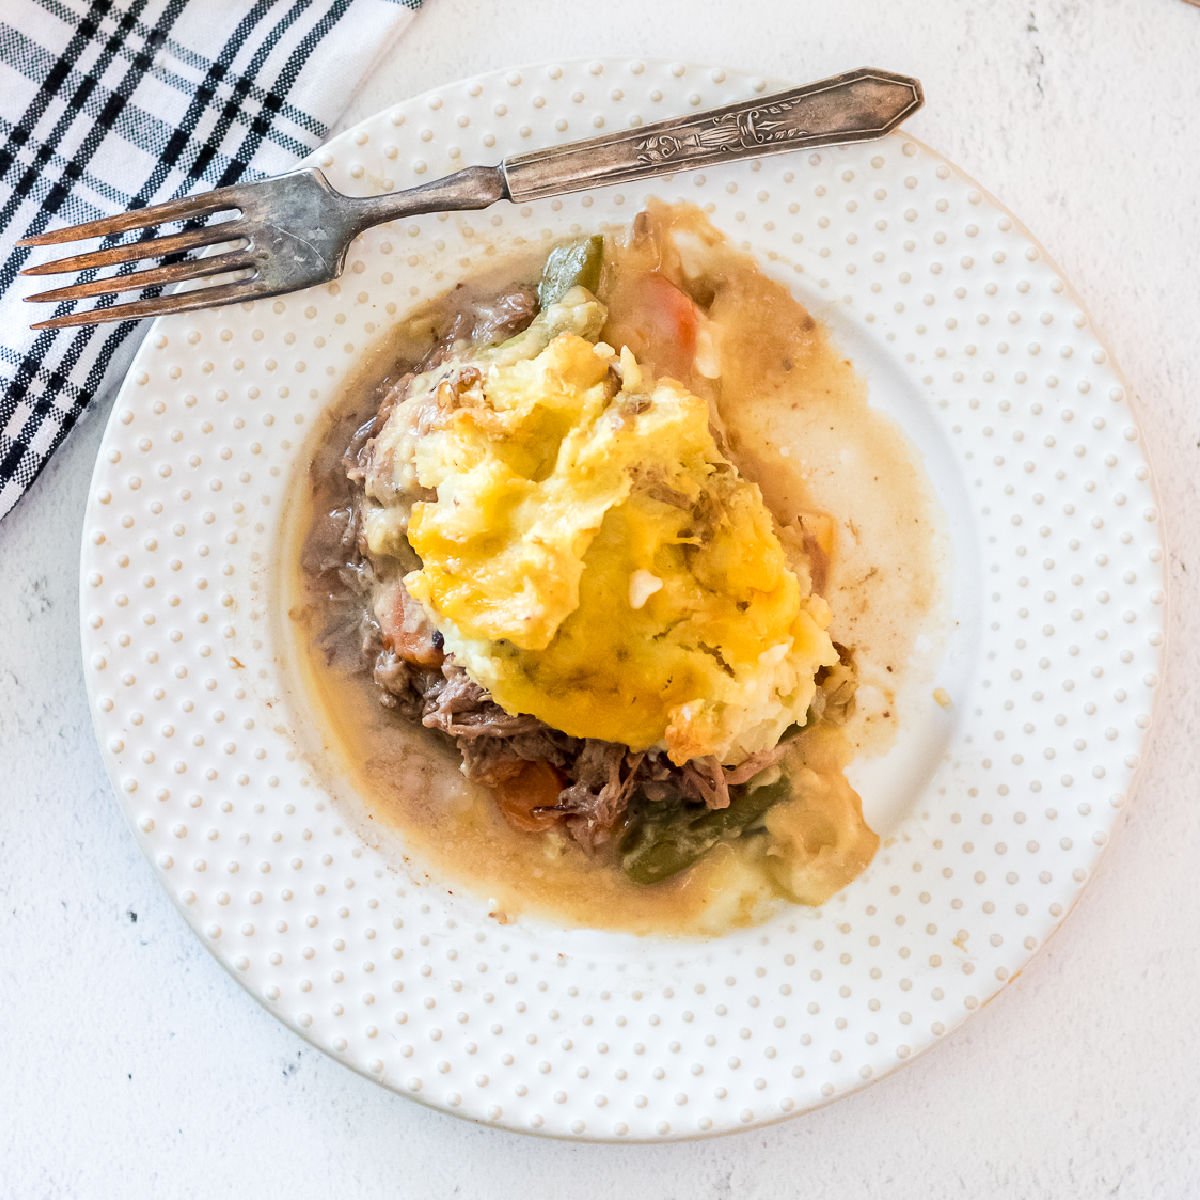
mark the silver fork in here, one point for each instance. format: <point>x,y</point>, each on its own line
<point>293,231</point>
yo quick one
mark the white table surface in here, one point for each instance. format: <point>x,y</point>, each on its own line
<point>132,1066</point>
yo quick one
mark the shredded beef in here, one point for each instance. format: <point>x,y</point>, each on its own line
<point>333,539</point>
<point>756,764</point>
<point>604,777</point>
<point>482,322</point>
<point>491,759</point>
<point>396,681</point>
<point>706,777</point>
<point>460,707</point>
<point>503,316</point>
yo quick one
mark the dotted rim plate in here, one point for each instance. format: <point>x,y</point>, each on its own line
<point>963,328</point>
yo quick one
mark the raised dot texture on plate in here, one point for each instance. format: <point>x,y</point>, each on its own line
<point>576,1034</point>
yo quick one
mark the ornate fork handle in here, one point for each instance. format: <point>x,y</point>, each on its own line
<point>293,231</point>
<point>856,106</point>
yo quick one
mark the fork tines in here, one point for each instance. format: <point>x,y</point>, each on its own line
<point>237,259</point>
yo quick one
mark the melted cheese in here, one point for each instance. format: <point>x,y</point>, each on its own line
<point>563,483</point>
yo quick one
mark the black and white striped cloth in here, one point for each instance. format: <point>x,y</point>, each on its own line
<point>107,105</point>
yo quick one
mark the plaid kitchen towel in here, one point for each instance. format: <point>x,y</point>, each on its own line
<point>113,104</point>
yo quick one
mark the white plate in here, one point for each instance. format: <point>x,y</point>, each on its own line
<point>995,813</point>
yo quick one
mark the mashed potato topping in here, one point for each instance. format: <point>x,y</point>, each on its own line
<point>589,554</point>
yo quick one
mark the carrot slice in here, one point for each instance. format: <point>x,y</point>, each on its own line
<point>407,631</point>
<point>534,787</point>
<point>650,315</point>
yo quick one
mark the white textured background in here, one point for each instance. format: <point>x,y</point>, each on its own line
<point>132,1066</point>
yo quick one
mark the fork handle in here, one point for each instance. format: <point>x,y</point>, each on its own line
<point>856,106</point>
<point>472,187</point>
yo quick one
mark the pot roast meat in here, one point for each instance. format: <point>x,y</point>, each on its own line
<point>333,539</point>
<point>604,776</point>
<point>754,765</point>
<point>707,778</point>
<point>397,684</point>
<point>490,758</point>
<point>464,710</point>
<point>503,316</point>
<point>481,322</point>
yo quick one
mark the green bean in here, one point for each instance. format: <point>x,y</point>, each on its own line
<point>665,838</point>
<point>573,264</point>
